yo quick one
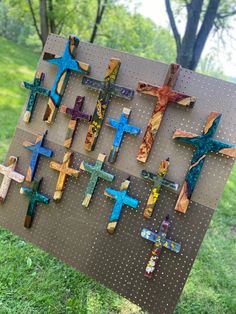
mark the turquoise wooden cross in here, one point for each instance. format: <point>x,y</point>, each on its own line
<point>37,149</point>
<point>66,64</point>
<point>204,144</point>
<point>121,127</point>
<point>121,198</point>
<point>34,198</point>
<point>96,173</point>
<point>36,89</point>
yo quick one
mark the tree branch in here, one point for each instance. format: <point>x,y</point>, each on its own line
<point>173,25</point>
<point>34,20</point>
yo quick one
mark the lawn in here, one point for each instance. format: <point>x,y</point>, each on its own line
<point>32,281</point>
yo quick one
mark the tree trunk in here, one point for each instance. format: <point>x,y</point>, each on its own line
<point>43,20</point>
<point>100,11</point>
<point>52,23</point>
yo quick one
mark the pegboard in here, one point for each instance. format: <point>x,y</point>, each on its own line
<point>78,235</point>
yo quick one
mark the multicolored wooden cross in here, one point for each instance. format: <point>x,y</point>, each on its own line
<point>37,149</point>
<point>66,64</point>
<point>34,198</point>
<point>204,144</point>
<point>121,198</point>
<point>165,95</point>
<point>121,127</point>
<point>76,114</point>
<point>96,173</point>
<point>9,174</point>
<point>158,181</point>
<point>107,88</point>
<point>36,89</point>
<point>64,171</point>
<point>160,241</point>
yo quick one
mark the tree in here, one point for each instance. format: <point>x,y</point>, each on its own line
<point>202,18</point>
<point>101,6</point>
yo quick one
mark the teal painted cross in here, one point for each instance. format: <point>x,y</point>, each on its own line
<point>121,127</point>
<point>34,198</point>
<point>96,173</point>
<point>36,89</point>
<point>121,198</point>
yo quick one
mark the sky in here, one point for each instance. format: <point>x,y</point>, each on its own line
<point>226,56</point>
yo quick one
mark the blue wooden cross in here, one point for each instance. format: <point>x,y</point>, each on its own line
<point>121,127</point>
<point>66,64</point>
<point>37,149</point>
<point>36,89</point>
<point>121,198</point>
<point>34,198</point>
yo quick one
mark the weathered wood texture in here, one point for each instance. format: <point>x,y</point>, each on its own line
<point>107,88</point>
<point>66,64</point>
<point>121,198</point>
<point>165,95</point>
<point>34,198</point>
<point>36,89</point>
<point>158,181</point>
<point>121,127</point>
<point>204,144</point>
<point>64,171</point>
<point>37,149</point>
<point>160,241</point>
<point>76,114</point>
<point>96,173</point>
<point>9,174</point>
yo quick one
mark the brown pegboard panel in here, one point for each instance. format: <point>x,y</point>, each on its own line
<point>78,235</point>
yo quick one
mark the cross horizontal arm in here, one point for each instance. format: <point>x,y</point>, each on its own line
<point>223,148</point>
<point>122,92</point>
<point>52,58</point>
<point>181,99</point>
<point>26,191</point>
<point>132,129</point>
<point>173,246</point>
<point>45,152</point>
<point>111,193</point>
<point>149,235</point>
<point>148,89</point>
<point>112,123</point>
<point>169,184</point>
<point>93,83</point>
<point>87,167</point>
<point>186,137</point>
<point>130,201</point>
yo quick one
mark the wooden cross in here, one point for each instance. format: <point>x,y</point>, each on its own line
<point>34,198</point>
<point>158,181</point>
<point>66,64</point>
<point>9,174</point>
<point>37,149</point>
<point>64,171</point>
<point>107,88</point>
<point>36,89</point>
<point>121,198</point>
<point>76,114</point>
<point>121,127</point>
<point>160,241</point>
<point>204,144</point>
<point>165,95</point>
<point>96,173</point>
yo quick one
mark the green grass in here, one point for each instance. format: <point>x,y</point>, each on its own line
<point>32,281</point>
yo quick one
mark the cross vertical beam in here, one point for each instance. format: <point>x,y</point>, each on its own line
<point>9,174</point>
<point>34,198</point>
<point>96,173</point>
<point>107,89</point>
<point>165,95</point>
<point>64,171</point>
<point>121,198</point>
<point>121,127</point>
<point>66,64</point>
<point>204,144</point>
<point>76,114</point>
<point>158,181</point>
<point>36,89</point>
<point>160,240</point>
<point>37,149</point>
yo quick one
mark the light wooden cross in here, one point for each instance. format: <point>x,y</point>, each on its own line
<point>121,127</point>
<point>107,89</point>
<point>64,171</point>
<point>165,95</point>
<point>160,241</point>
<point>204,144</point>
<point>34,198</point>
<point>158,181</point>
<point>76,114</point>
<point>37,149</point>
<point>36,89</point>
<point>96,173</point>
<point>66,64</point>
<point>9,174</point>
<point>121,198</point>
